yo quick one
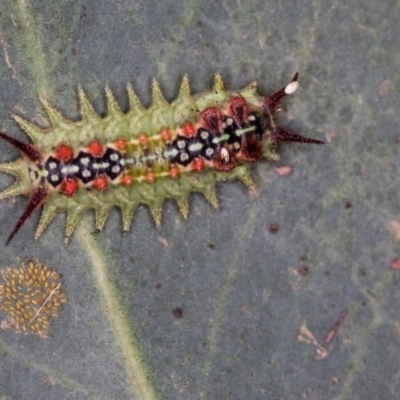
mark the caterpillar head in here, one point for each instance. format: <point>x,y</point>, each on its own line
<point>29,173</point>
<point>270,104</point>
<point>246,128</point>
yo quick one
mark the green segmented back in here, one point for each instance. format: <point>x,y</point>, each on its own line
<point>144,155</point>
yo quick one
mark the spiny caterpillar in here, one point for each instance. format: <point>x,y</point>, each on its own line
<point>144,155</point>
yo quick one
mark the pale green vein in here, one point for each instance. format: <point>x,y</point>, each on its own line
<point>224,293</point>
<point>364,333</point>
<point>33,46</point>
<point>61,378</point>
<point>136,370</point>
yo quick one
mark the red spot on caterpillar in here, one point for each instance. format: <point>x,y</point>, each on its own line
<point>95,148</point>
<point>213,119</point>
<point>126,180</point>
<point>165,134</point>
<point>239,110</point>
<point>188,129</point>
<point>174,172</point>
<point>121,143</point>
<point>150,177</point>
<point>64,153</point>
<point>198,165</point>
<point>70,186</point>
<point>100,182</point>
<point>143,139</point>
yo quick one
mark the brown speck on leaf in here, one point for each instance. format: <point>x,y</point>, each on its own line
<point>303,259</point>
<point>395,264</point>
<point>163,241</point>
<point>394,229</point>
<point>331,334</point>
<point>83,14</point>
<point>304,270</point>
<point>329,136</point>
<point>273,228</point>
<point>283,170</point>
<point>384,88</point>
<point>246,311</point>
<point>306,336</point>
<point>177,313</point>
<point>296,279</point>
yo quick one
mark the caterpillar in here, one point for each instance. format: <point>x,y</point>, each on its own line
<point>144,155</point>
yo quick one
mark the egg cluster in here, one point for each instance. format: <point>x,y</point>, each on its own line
<point>30,296</point>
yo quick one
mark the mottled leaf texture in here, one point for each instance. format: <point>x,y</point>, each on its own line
<point>241,302</point>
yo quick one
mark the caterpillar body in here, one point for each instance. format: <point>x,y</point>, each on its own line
<point>144,155</point>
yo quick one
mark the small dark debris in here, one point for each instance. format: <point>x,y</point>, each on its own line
<point>362,272</point>
<point>273,228</point>
<point>348,205</point>
<point>302,259</point>
<point>331,334</point>
<point>178,312</point>
<point>157,286</point>
<point>83,15</point>
<point>304,270</point>
<point>211,246</point>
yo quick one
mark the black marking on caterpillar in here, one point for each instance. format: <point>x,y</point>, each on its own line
<point>144,155</point>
